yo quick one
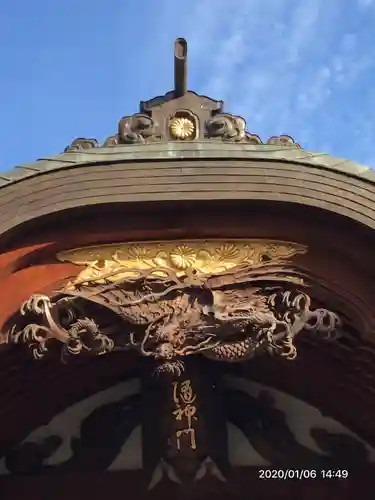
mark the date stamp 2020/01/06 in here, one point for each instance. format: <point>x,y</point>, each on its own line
<point>298,474</point>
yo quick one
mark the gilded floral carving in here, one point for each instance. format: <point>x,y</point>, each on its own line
<point>117,261</point>
<point>182,128</point>
<point>183,257</point>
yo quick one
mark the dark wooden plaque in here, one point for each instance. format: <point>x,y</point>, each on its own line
<point>184,419</point>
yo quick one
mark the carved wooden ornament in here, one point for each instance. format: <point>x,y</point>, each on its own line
<point>228,300</point>
<point>117,261</point>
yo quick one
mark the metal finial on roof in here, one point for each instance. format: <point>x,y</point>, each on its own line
<point>180,67</point>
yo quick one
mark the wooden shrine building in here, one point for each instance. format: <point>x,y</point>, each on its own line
<point>187,311</point>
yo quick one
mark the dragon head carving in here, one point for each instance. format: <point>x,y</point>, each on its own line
<point>229,316</point>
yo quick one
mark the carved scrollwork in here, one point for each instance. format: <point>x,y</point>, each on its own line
<point>227,127</point>
<point>113,140</point>
<point>252,139</point>
<point>135,129</point>
<point>230,128</point>
<point>229,316</point>
<point>141,127</point>
<point>81,144</point>
<point>282,140</point>
<point>81,334</point>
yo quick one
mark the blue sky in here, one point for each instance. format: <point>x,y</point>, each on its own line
<point>73,68</point>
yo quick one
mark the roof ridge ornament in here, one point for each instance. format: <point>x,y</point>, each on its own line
<point>181,115</point>
<point>180,67</point>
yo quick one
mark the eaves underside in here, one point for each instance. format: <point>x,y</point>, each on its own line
<point>186,151</point>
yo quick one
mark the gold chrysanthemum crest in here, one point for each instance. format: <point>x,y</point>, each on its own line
<point>182,128</point>
<point>114,262</point>
<point>183,257</point>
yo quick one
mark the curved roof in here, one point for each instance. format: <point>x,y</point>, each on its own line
<point>210,170</point>
<point>194,150</point>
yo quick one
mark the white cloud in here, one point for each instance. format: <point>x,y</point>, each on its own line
<point>287,66</point>
<point>365,3</point>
